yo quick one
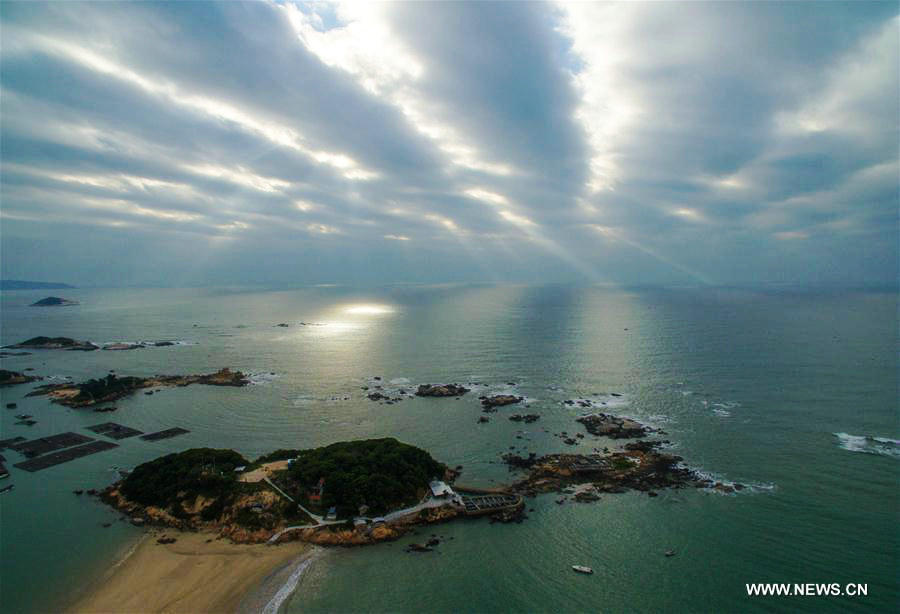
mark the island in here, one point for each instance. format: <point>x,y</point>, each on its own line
<point>441,390</point>
<point>54,343</point>
<point>11,378</point>
<point>53,301</point>
<point>347,493</point>
<point>112,387</point>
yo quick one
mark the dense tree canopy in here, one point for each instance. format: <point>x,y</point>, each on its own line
<point>176,477</point>
<point>381,473</point>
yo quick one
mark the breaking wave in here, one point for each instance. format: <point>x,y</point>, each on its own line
<point>882,446</point>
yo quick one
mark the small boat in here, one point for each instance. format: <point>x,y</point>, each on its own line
<point>582,569</point>
<point>7,488</point>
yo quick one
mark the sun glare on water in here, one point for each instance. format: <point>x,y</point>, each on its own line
<point>368,309</point>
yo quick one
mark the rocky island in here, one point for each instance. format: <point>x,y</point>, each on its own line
<point>53,301</point>
<point>54,343</point>
<point>441,390</point>
<point>347,493</point>
<point>607,425</point>
<point>639,467</point>
<point>500,400</point>
<point>113,387</point>
<point>11,378</point>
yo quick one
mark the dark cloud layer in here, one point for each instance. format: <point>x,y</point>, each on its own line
<point>214,143</point>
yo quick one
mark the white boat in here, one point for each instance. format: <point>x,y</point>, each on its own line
<point>582,569</point>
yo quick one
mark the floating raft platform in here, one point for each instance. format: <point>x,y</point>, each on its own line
<point>64,456</point>
<point>114,431</point>
<point>8,443</point>
<point>36,447</point>
<point>165,434</point>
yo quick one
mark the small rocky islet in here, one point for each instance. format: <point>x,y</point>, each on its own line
<point>53,301</point>
<point>11,378</point>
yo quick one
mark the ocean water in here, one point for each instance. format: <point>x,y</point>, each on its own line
<point>791,392</point>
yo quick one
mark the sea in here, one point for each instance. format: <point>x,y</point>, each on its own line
<point>792,392</point>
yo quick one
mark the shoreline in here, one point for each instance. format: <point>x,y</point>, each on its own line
<point>196,573</point>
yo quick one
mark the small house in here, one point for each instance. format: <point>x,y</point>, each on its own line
<point>315,495</point>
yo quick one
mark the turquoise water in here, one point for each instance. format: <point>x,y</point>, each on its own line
<point>750,386</point>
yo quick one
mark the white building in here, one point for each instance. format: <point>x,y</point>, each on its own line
<point>440,490</point>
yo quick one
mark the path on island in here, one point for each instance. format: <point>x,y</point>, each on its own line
<point>426,503</point>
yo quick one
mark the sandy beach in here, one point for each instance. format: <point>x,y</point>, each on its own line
<point>191,575</point>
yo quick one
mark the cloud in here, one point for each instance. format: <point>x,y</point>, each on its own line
<point>625,142</point>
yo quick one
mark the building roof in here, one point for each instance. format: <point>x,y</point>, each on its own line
<point>439,489</point>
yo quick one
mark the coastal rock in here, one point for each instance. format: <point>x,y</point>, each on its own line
<point>11,378</point>
<point>53,301</point>
<point>645,446</point>
<point>606,425</point>
<point>54,343</point>
<point>527,418</point>
<point>614,472</point>
<point>122,346</point>
<point>520,462</point>
<point>441,390</point>
<point>501,400</point>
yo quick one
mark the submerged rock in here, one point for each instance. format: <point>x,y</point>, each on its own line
<point>527,418</point>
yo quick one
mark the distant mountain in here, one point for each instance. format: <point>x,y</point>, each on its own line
<point>19,284</point>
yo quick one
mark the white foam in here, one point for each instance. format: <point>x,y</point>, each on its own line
<point>748,487</point>
<point>882,446</point>
<point>262,378</point>
<point>722,413</point>
<point>399,380</point>
<point>289,587</point>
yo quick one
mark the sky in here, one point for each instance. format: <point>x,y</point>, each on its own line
<point>680,143</point>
